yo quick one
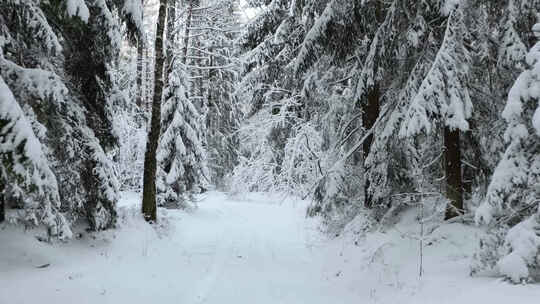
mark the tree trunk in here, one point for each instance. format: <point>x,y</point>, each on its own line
<point>186,33</point>
<point>2,203</point>
<point>150,162</point>
<point>149,83</point>
<point>171,36</point>
<point>369,117</point>
<point>199,74</point>
<point>452,168</point>
<point>140,89</point>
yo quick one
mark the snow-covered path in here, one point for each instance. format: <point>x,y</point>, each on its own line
<point>255,251</point>
<point>226,251</point>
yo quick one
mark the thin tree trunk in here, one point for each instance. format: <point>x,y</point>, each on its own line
<point>140,89</point>
<point>140,67</point>
<point>452,168</point>
<point>198,54</point>
<point>171,17</point>
<point>200,77</point>
<point>148,91</point>
<point>150,162</point>
<point>369,117</point>
<point>2,203</point>
<point>186,33</point>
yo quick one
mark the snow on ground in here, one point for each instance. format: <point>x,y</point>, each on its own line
<point>258,249</point>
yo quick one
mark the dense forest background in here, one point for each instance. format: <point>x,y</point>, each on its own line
<point>367,108</point>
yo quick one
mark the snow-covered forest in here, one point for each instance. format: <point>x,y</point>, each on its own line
<point>270,151</point>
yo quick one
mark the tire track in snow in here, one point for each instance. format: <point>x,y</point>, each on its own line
<point>222,252</point>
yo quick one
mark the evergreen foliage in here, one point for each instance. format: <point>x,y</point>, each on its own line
<point>56,62</point>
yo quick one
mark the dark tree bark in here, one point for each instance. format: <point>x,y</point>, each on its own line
<point>150,162</point>
<point>369,117</point>
<point>171,36</point>
<point>140,89</point>
<point>199,74</point>
<point>188,27</point>
<point>2,202</point>
<point>148,88</point>
<point>140,64</point>
<point>452,168</point>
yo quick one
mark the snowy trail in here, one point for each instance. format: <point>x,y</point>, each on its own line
<point>260,255</point>
<point>254,252</point>
<point>224,252</point>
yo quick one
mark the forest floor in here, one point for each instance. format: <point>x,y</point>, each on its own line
<point>255,250</point>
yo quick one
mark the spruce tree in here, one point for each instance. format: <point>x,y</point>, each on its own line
<point>513,195</point>
<point>443,98</point>
<point>60,77</point>
<point>26,181</point>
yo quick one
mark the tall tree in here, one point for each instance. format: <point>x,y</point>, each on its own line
<point>149,208</point>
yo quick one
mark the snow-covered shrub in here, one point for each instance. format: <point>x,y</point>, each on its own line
<point>336,175</point>
<point>521,251</point>
<point>337,197</point>
<point>488,252</point>
<point>261,155</point>
<point>128,123</point>
<point>302,161</point>
<point>268,88</point>
<point>129,157</point>
<point>512,252</point>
